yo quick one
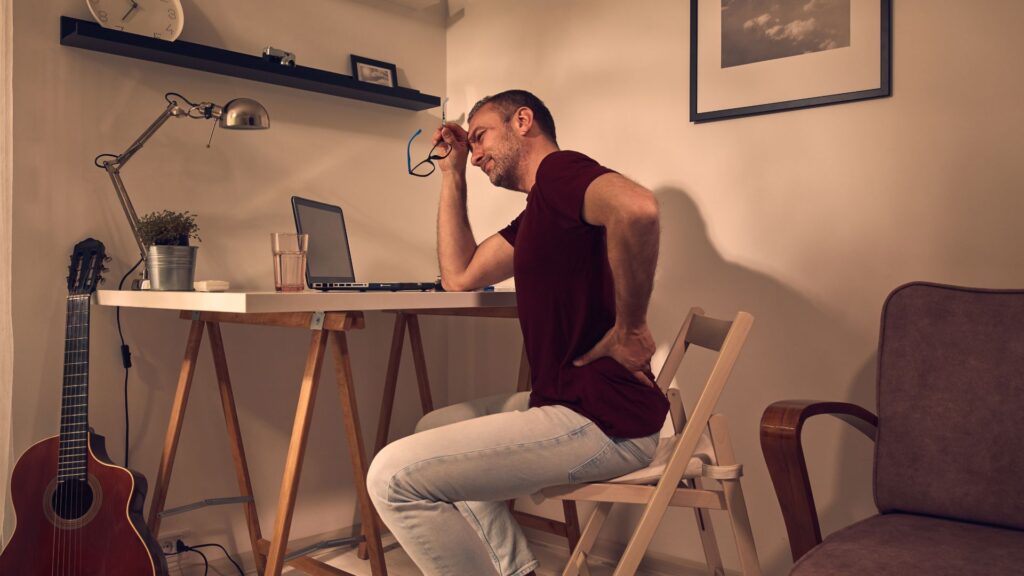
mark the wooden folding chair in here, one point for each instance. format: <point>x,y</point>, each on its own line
<point>700,451</point>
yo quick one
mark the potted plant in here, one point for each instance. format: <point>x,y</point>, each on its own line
<point>170,260</point>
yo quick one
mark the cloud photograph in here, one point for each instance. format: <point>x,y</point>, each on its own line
<point>755,30</point>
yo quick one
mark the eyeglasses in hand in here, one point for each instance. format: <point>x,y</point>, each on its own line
<point>440,151</point>
<point>426,167</point>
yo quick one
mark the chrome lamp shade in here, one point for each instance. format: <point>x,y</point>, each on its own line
<point>244,114</point>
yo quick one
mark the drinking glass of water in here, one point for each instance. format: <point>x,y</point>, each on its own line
<point>289,260</point>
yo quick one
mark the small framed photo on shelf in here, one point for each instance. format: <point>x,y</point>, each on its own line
<point>374,72</point>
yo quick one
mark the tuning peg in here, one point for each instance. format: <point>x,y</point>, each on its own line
<point>104,269</point>
<point>102,280</point>
<point>107,258</point>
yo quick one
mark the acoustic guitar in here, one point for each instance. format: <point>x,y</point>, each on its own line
<point>77,513</point>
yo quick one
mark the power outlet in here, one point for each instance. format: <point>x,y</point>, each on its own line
<point>168,540</point>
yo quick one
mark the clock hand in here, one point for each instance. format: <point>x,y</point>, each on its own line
<point>135,5</point>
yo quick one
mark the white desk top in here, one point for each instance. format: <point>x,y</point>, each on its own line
<point>308,301</point>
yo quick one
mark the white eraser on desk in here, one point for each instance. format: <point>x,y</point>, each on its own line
<point>211,285</point>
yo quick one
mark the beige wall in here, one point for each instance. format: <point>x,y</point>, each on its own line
<point>807,219</point>
<point>72,104</point>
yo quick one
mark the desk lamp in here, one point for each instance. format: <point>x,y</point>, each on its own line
<point>238,114</point>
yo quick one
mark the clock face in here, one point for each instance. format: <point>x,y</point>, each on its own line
<point>161,19</point>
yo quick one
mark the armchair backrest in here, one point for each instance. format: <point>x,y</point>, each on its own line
<point>951,404</point>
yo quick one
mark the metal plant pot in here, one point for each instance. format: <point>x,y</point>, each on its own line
<point>171,267</point>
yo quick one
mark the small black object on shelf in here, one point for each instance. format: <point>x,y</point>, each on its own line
<point>91,36</point>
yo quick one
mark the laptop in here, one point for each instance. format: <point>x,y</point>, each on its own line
<point>329,260</point>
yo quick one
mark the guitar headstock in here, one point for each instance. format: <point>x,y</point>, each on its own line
<point>86,269</point>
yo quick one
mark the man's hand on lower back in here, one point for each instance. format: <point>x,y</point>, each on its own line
<point>631,347</point>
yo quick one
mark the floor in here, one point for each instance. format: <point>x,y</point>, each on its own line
<point>552,560</point>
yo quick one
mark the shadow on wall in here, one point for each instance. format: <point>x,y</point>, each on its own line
<point>796,350</point>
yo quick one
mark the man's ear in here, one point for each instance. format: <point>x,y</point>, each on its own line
<point>522,120</point>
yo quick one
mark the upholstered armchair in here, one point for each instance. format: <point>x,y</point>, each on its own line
<point>949,443</point>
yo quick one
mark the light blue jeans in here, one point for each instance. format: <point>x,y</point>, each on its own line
<point>442,491</point>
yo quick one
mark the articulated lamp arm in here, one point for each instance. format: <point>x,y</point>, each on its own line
<point>238,114</point>
<point>113,168</point>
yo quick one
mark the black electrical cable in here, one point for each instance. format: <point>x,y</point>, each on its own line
<point>206,562</point>
<point>126,361</point>
<point>170,100</point>
<point>226,555</point>
<point>182,548</point>
<point>97,162</point>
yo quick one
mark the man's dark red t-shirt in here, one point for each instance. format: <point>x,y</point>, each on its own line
<point>566,301</point>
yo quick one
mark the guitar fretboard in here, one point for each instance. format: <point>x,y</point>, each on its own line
<point>74,404</point>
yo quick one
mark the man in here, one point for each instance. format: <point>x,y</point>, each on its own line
<point>583,254</point>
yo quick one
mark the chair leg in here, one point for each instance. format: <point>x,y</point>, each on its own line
<point>707,536</point>
<point>581,565</point>
<point>572,523</point>
<point>577,563</point>
<point>734,502</point>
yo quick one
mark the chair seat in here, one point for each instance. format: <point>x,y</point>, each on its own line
<point>704,454</point>
<point>910,545</point>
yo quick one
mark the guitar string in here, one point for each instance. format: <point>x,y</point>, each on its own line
<point>78,496</point>
<point>63,486</point>
<point>69,478</point>
<point>75,465</point>
<point>67,495</point>
<point>82,424</point>
<point>53,500</point>
<point>86,301</point>
<point>81,457</point>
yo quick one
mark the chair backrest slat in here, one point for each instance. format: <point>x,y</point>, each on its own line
<point>706,332</point>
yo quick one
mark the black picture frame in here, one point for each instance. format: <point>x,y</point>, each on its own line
<point>883,88</point>
<point>374,72</point>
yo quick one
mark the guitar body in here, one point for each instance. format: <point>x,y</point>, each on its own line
<point>97,531</point>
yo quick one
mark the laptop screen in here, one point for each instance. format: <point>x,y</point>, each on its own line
<point>329,256</point>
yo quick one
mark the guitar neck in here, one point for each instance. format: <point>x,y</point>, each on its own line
<point>74,404</point>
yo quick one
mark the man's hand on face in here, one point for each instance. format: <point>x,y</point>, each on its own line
<point>631,347</point>
<point>458,140</point>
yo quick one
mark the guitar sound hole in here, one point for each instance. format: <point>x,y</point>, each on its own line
<point>72,499</point>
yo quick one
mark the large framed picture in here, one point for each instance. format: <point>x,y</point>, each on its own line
<point>753,57</point>
<point>374,71</point>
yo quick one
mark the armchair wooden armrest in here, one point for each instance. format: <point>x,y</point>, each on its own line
<point>781,424</point>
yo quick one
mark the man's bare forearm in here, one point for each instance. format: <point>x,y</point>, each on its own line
<point>455,242</point>
<point>633,256</point>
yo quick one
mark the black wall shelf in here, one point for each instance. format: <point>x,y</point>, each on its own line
<point>92,36</point>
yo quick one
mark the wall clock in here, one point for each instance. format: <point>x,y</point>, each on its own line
<point>161,19</point>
